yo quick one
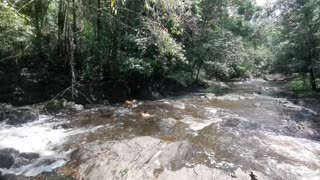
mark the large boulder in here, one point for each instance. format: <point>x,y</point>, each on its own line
<point>138,158</point>
<point>16,115</point>
<point>7,158</point>
<point>22,115</point>
<point>5,110</point>
<point>147,158</point>
<point>6,161</point>
<point>62,106</point>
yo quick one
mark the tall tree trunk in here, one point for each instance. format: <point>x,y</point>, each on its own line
<point>313,80</point>
<point>74,28</point>
<point>61,26</point>
<point>199,69</point>
<point>99,21</point>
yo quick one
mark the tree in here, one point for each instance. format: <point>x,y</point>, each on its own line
<point>300,22</point>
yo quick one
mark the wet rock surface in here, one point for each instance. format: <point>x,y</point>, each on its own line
<point>201,172</point>
<point>57,106</point>
<point>22,116</point>
<point>167,124</point>
<point>17,115</point>
<point>13,158</point>
<point>6,161</point>
<point>127,159</point>
<point>148,158</point>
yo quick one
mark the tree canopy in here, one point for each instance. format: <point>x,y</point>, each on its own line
<point>148,41</point>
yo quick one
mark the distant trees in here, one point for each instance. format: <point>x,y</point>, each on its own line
<point>222,48</point>
<point>300,34</point>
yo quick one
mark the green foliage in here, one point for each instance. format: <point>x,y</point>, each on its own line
<point>180,40</point>
<point>264,59</point>
<point>14,34</point>
<point>300,40</point>
<point>300,84</point>
<point>224,55</point>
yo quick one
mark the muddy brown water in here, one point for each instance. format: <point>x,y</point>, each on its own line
<point>243,128</point>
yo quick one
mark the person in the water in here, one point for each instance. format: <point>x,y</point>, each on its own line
<point>129,104</point>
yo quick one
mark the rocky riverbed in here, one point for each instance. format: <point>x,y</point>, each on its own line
<point>237,130</point>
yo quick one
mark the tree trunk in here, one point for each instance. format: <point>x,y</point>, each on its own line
<point>199,69</point>
<point>313,80</point>
<point>99,21</point>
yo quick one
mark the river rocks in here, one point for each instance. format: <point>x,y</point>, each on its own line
<point>7,158</point>
<point>16,116</point>
<point>6,161</point>
<point>156,96</point>
<point>275,77</point>
<point>29,156</point>
<point>288,104</point>
<point>62,106</point>
<point>5,110</point>
<point>106,112</point>
<point>13,158</point>
<point>24,159</point>
<point>22,115</point>
<point>138,158</point>
<point>167,124</point>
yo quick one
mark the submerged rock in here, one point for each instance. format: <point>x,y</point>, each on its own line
<point>167,124</point>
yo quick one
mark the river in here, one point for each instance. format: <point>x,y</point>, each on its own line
<point>243,125</point>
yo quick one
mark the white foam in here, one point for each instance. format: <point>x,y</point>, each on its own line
<point>197,124</point>
<point>38,137</point>
<point>179,105</point>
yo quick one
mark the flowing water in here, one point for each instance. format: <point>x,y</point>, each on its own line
<point>234,128</point>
